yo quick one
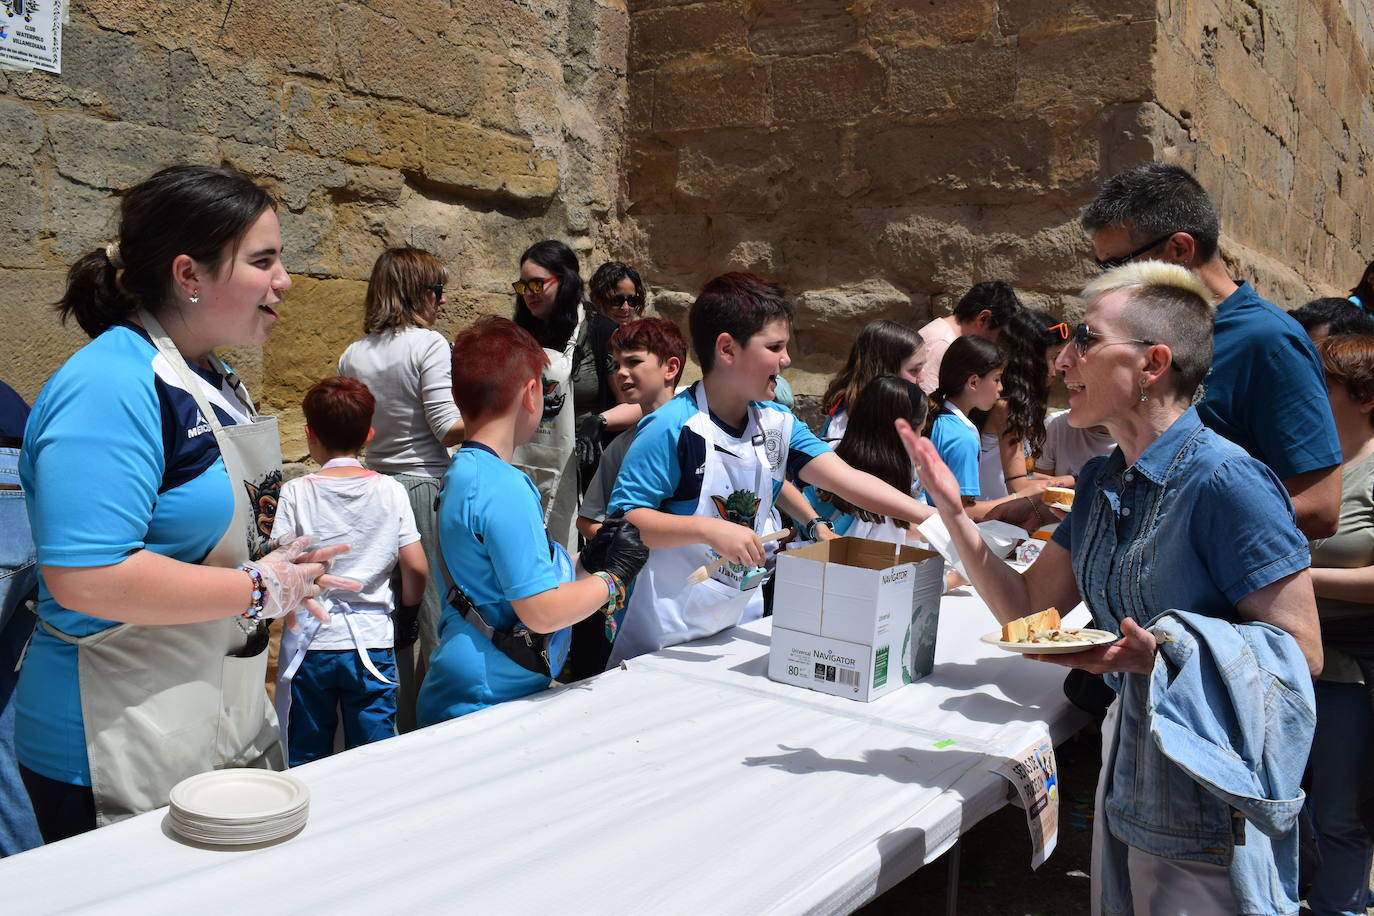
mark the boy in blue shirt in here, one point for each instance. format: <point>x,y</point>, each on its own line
<point>512,594</point>
<point>702,476</point>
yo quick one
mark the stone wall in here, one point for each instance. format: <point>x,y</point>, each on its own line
<point>469,129</point>
<point>879,156</point>
<point>1272,105</point>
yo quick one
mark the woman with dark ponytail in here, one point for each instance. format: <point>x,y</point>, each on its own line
<point>151,483</point>
<point>970,380</point>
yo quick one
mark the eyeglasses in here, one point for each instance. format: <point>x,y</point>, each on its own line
<point>635,302</point>
<point>437,289</point>
<point>535,285</point>
<point>1083,337</point>
<point>1109,263</point>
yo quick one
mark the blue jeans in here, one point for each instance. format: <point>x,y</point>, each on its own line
<point>1341,749</point>
<point>334,680</point>
<point>18,583</point>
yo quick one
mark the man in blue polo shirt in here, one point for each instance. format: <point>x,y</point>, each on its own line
<point>1266,391</point>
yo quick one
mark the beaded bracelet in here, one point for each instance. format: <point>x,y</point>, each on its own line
<point>616,600</point>
<point>259,594</point>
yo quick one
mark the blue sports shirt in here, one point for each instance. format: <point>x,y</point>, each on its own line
<point>116,459</point>
<point>491,529</point>
<point>958,447</point>
<point>662,470</point>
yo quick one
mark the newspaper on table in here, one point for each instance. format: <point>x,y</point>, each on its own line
<point>1034,775</point>
<point>31,34</point>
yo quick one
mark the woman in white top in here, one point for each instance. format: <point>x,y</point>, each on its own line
<point>407,365</point>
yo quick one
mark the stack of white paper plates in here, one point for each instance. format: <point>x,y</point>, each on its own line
<point>238,807</point>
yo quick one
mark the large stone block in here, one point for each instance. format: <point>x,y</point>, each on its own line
<point>35,342</point>
<point>386,58</point>
<point>291,177</point>
<point>22,217</point>
<point>968,78</point>
<point>81,218</point>
<point>115,154</point>
<point>924,22</point>
<point>827,87</point>
<point>231,101</point>
<point>828,319</point>
<point>335,125</point>
<point>711,28</point>
<point>797,27</point>
<point>306,342</point>
<point>1112,63</point>
<point>957,162</point>
<point>1047,18</point>
<point>128,75</point>
<point>717,94</point>
<point>759,170</point>
<point>23,133</point>
<point>473,160</point>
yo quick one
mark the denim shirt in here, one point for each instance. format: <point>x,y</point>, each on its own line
<point>1208,764</point>
<point>1195,525</point>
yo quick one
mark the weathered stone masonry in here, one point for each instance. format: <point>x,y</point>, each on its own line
<point>875,156</point>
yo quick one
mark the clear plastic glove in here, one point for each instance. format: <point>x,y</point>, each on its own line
<point>293,576</point>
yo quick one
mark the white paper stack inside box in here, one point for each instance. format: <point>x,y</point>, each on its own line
<point>854,617</point>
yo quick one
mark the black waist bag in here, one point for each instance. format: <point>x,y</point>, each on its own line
<point>528,649</point>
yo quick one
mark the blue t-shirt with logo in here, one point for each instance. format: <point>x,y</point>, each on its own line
<point>117,458</point>
<point>663,468</point>
<point>496,549</point>
<point>1266,390</point>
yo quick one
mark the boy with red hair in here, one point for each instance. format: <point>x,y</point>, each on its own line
<point>347,665</point>
<point>513,593</point>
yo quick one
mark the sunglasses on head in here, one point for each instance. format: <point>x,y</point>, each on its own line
<point>536,285</point>
<point>1109,263</point>
<point>634,301</point>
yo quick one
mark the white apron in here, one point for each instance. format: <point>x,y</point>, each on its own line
<point>664,610</point>
<point>295,643</point>
<point>548,458</point>
<point>161,703</point>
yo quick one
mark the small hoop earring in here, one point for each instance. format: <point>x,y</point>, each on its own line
<point>194,297</point>
<point>1143,396</point>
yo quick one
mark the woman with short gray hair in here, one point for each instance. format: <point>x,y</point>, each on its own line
<point>1187,548</point>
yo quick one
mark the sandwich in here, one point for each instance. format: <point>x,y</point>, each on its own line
<point>1060,498</point>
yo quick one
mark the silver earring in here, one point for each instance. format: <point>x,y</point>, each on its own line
<point>1143,396</point>
<point>194,297</point>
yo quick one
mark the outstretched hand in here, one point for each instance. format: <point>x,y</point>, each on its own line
<point>1133,653</point>
<point>935,476</point>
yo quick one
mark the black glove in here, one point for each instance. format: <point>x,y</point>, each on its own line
<point>616,549</point>
<point>407,620</point>
<point>589,433</point>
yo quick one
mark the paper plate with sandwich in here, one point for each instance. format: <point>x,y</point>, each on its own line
<point>1044,634</point>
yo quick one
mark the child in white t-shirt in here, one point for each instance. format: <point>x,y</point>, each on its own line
<point>346,668</point>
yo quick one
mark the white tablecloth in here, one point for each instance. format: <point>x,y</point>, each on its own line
<point>689,783</point>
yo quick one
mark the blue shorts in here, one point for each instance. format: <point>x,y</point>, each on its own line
<point>331,681</point>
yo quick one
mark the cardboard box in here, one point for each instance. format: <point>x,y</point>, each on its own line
<point>855,618</point>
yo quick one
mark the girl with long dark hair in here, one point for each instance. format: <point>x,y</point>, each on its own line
<point>882,348</point>
<point>1013,432</point>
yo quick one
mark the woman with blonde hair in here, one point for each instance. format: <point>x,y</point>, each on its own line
<point>407,366</point>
